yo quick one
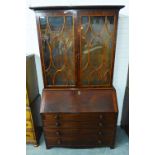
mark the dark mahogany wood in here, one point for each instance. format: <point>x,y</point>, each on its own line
<point>76,140</point>
<point>105,7</point>
<point>78,114</point>
<point>74,132</point>
<point>78,100</point>
<point>76,12</point>
<point>84,117</point>
<point>76,124</point>
<point>66,114</point>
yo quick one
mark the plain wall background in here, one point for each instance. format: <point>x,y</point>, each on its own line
<point>122,47</point>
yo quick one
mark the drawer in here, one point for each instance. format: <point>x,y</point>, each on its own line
<point>30,136</point>
<point>50,132</point>
<point>58,124</point>
<point>106,117</point>
<point>80,141</point>
<point>28,115</point>
<point>29,124</point>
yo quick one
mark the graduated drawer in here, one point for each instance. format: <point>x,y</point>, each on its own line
<point>77,124</point>
<point>80,141</point>
<point>30,135</point>
<point>106,117</point>
<point>50,132</point>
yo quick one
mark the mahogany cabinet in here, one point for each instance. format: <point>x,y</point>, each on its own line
<point>77,49</point>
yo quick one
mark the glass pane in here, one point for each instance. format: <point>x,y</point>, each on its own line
<point>96,49</point>
<point>58,49</point>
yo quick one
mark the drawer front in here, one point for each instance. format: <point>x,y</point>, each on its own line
<point>79,141</point>
<point>76,124</point>
<point>29,125</point>
<point>28,115</point>
<point>83,129</point>
<point>106,117</point>
<point>30,136</point>
<point>50,132</point>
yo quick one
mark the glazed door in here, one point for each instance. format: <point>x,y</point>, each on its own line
<point>57,48</point>
<point>97,47</point>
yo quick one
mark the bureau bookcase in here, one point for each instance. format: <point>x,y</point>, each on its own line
<point>77,50</point>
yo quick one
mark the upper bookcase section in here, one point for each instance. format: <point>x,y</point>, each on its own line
<point>77,45</point>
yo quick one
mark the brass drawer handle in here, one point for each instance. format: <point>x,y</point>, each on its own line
<point>99,142</point>
<point>57,116</point>
<point>59,142</point>
<point>57,124</point>
<point>100,133</point>
<point>100,124</point>
<point>79,92</point>
<point>58,133</point>
<point>101,116</point>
